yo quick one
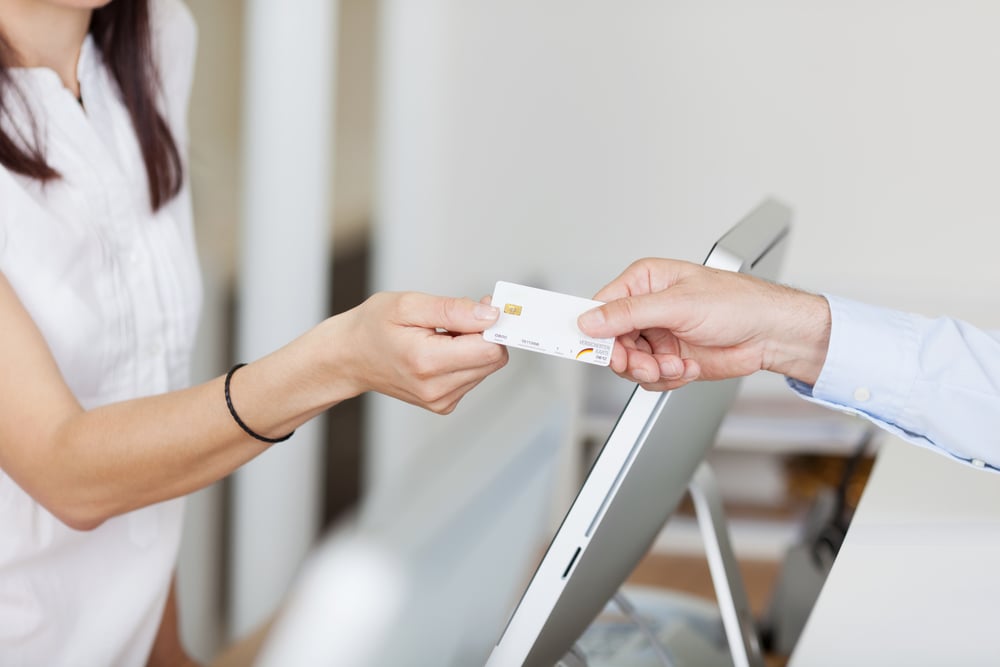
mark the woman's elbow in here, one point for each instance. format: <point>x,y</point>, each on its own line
<point>84,523</point>
<point>76,515</point>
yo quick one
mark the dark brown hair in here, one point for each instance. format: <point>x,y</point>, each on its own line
<point>122,33</point>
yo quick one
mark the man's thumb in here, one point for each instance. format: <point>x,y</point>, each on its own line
<point>622,316</point>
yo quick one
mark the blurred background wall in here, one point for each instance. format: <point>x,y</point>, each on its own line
<point>554,143</point>
<point>218,601</point>
<point>557,142</point>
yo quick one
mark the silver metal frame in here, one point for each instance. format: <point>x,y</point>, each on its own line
<point>639,476</point>
<point>734,607</point>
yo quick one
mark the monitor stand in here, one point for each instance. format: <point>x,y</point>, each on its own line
<point>734,607</point>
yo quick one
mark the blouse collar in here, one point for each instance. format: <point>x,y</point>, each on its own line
<point>86,62</point>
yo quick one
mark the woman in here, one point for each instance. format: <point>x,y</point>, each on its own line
<point>99,298</point>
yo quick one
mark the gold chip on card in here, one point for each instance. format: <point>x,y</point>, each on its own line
<point>512,309</point>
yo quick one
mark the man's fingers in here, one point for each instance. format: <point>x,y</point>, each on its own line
<point>619,358</point>
<point>613,291</point>
<point>625,315</point>
<point>673,367</point>
<point>654,372</point>
<point>642,367</point>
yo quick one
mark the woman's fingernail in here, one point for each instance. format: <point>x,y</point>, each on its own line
<point>485,312</point>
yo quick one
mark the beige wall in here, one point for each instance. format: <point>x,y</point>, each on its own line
<point>215,130</point>
<point>354,136</point>
<point>215,167</point>
<point>215,127</point>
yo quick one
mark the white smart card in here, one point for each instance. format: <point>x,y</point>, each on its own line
<point>542,321</point>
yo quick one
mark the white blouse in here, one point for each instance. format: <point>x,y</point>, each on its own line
<point>116,292</point>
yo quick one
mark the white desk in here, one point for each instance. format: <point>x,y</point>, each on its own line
<point>917,581</point>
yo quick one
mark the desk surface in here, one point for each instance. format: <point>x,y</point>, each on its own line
<point>917,580</point>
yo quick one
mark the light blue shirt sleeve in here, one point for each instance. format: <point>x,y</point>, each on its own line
<point>933,382</point>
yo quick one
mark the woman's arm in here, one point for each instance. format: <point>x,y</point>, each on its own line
<point>87,466</point>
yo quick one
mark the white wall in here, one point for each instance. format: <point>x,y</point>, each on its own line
<point>217,167</point>
<point>283,291</point>
<point>215,125</point>
<point>556,142</point>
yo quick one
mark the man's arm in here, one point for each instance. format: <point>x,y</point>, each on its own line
<point>935,382</point>
<point>932,381</point>
<point>677,322</point>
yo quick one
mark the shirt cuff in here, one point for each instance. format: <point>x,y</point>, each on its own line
<point>872,361</point>
<point>871,368</point>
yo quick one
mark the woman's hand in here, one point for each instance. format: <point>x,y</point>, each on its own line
<point>422,349</point>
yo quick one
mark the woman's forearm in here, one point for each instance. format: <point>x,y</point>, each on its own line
<point>132,454</point>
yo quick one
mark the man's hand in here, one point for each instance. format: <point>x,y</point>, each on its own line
<point>676,322</point>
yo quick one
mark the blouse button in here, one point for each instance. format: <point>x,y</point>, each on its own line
<point>862,394</point>
<point>979,463</point>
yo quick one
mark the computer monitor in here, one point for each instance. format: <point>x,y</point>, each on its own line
<point>428,571</point>
<point>635,483</point>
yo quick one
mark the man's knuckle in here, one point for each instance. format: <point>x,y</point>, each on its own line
<point>407,304</point>
<point>427,395</point>
<point>448,312</point>
<point>445,408</point>
<point>423,369</point>
<point>497,354</point>
<point>627,306</point>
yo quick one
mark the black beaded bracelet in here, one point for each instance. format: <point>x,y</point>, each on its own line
<point>232,411</point>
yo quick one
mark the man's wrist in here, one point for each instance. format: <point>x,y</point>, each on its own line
<point>800,338</point>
